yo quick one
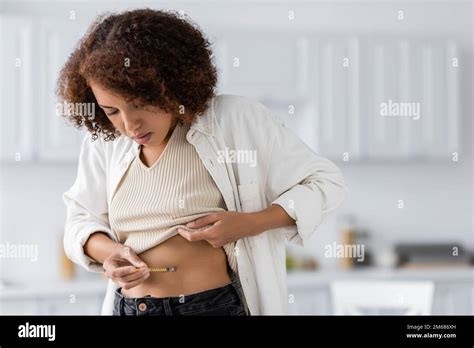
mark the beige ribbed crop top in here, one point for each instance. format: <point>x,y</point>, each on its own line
<point>152,202</point>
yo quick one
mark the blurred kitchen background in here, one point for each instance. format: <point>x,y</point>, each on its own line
<point>402,243</point>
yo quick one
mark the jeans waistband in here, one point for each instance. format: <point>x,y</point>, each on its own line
<point>234,286</point>
<point>178,298</point>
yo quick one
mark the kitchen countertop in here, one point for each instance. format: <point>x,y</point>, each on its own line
<point>323,277</point>
<point>54,288</point>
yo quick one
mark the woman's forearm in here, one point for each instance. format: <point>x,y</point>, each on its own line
<point>99,246</point>
<point>272,217</point>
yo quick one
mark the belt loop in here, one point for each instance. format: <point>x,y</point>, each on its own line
<point>121,307</point>
<point>121,311</point>
<point>167,306</point>
<point>135,307</point>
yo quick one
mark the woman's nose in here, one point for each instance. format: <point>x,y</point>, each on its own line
<point>131,123</point>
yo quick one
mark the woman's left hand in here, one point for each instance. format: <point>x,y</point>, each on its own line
<point>220,228</point>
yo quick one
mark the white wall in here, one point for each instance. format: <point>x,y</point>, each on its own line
<point>33,213</point>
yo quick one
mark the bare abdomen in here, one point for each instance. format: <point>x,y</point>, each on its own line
<point>199,267</point>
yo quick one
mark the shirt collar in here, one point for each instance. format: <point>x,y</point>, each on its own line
<point>204,123</point>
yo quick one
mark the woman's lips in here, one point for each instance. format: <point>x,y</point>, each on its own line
<point>144,139</point>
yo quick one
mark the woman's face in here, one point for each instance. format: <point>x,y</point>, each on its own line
<point>132,121</point>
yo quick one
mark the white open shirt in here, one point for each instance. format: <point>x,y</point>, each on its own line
<point>287,173</point>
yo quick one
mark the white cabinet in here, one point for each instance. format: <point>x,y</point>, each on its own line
<point>309,292</point>
<point>54,298</point>
<point>349,96</point>
<point>336,92</point>
<point>380,97</point>
<point>413,102</point>
<point>33,51</point>
<point>261,65</point>
<point>59,139</point>
<point>309,301</point>
<point>53,305</point>
<point>17,135</point>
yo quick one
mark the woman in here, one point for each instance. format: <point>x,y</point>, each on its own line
<point>183,198</point>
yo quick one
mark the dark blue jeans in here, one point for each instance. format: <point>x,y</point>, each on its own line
<point>225,300</point>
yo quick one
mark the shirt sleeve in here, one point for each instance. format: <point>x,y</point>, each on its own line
<point>86,204</point>
<point>306,185</point>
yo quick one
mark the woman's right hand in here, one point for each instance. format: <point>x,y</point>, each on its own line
<point>122,267</point>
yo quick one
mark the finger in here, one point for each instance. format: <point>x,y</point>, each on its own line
<point>194,236</point>
<point>135,276</point>
<point>132,284</point>
<point>124,271</point>
<point>203,221</point>
<point>133,258</point>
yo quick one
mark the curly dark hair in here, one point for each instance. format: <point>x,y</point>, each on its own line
<point>152,58</point>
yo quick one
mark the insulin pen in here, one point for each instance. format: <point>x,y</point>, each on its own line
<point>161,269</point>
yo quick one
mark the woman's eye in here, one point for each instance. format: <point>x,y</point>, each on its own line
<point>112,113</point>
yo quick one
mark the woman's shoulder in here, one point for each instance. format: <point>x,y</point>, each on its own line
<point>116,148</point>
<point>234,109</point>
<point>231,103</point>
